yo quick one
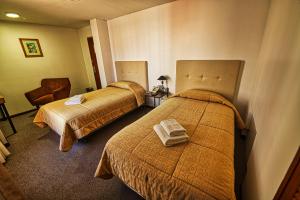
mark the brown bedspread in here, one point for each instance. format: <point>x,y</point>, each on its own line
<point>100,108</point>
<point>203,168</point>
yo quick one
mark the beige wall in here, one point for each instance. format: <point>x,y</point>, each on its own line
<point>84,33</point>
<point>62,58</point>
<point>192,29</point>
<point>276,103</point>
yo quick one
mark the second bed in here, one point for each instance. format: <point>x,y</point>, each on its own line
<point>100,108</point>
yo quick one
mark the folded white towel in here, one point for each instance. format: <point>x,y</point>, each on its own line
<point>77,99</point>
<point>168,140</point>
<point>172,127</point>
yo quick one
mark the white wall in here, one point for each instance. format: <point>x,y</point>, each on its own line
<point>192,29</point>
<point>106,50</point>
<point>62,58</point>
<point>84,33</point>
<point>267,38</point>
<point>276,103</point>
<point>102,50</point>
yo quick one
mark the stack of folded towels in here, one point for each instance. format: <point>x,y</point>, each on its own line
<point>77,99</point>
<point>171,132</point>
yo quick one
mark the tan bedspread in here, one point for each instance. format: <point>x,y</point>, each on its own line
<point>100,108</point>
<point>200,169</point>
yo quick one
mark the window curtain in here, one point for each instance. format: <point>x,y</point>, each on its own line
<point>3,151</point>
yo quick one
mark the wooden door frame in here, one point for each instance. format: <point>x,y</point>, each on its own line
<point>291,182</point>
<point>93,58</point>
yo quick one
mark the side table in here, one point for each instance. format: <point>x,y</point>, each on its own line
<point>155,97</point>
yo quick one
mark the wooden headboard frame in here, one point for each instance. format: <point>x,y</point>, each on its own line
<point>135,71</point>
<point>221,76</point>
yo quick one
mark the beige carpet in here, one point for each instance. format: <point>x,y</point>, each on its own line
<point>41,171</point>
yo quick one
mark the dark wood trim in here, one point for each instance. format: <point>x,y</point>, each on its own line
<point>291,182</point>
<point>93,57</point>
<point>23,48</point>
<point>22,113</point>
<point>2,114</point>
<point>239,162</point>
<point>6,114</point>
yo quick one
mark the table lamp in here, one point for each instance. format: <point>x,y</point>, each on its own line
<point>162,79</point>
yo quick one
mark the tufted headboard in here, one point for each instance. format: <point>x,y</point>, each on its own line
<point>221,76</point>
<point>135,71</point>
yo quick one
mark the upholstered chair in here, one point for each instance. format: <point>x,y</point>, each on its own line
<point>51,89</point>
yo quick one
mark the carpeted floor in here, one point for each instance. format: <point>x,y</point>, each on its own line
<point>43,172</point>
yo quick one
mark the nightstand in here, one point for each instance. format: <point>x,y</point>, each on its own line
<point>153,100</point>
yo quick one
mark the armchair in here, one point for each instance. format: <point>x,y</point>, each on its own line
<point>51,89</point>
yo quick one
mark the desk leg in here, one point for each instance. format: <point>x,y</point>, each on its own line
<point>8,117</point>
<point>2,114</point>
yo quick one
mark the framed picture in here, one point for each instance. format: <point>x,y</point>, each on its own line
<point>31,47</point>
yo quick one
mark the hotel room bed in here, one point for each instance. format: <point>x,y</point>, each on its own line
<point>203,168</point>
<point>200,169</point>
<point>101,107</point>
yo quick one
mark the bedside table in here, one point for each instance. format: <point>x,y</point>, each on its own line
<point>154,98</point>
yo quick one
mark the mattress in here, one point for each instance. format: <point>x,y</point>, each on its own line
<point>100,108</point>
<point>203,168</point>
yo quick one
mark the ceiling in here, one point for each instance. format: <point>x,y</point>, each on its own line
<point>72,13</point>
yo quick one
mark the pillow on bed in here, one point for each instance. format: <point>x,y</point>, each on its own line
<point>122,84</point>
<point>138,90</point>
<point>204,95</point>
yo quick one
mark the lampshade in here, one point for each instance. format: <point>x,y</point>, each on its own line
<point>162,78</point>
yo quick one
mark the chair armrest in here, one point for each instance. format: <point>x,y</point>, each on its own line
<point>61,93</point>
<point>36,93</point>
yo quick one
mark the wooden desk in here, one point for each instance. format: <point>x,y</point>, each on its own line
<point>5,114</point>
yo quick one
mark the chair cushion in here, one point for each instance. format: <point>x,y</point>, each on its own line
<point>44,99</point>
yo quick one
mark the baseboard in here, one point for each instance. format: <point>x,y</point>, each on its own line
<point>22,113</point>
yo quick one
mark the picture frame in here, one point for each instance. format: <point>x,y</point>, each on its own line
<point>31,47</point>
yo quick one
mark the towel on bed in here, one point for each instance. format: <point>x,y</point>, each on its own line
<point>169,140</point>
<point>77,99</point>
<point>172,127</point>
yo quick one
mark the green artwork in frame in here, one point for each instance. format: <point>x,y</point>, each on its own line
<point>31,47</point>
